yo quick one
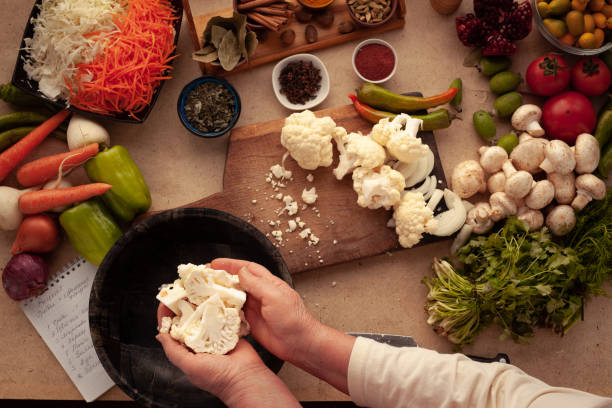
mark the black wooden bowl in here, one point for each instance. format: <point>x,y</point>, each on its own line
<point>21,81</point>
<point>123,308</point>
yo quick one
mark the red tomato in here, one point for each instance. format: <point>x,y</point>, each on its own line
<point>548,75</point>
<point>567,115</point>
<point>591,76</point>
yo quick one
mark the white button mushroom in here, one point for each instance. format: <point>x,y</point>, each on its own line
<point>533,218</point>
<point>540,195</point>
<point>523,137</point>
<point>561,220</point>
<point>518,183</point>
<point>496,182</point>
<point>526,118</point>
<point>587,153</point>
<point>502,206</point>
<point>565,189</point>
<point>559,158</point>
<point>468,179</point>
<point>492,158</point>
<point>528,155</point>
<point>479,218</point>
<point>588,187</point>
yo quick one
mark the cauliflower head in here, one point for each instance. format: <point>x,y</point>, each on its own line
<point>380,187</point>
<point>399,136</point>
<point>308,139</point>
<point>357,150</point>
<point>412,218</point>
<point>207,305</point>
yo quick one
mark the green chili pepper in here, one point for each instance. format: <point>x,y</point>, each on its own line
<point>378,97</point>
<point>130,195</point>
<point>91,229</point>
<point>15,96</point>
<point>12,136</point>
<point>438,119</point>
<point>17,119</point>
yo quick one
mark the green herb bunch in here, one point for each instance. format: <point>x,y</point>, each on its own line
<point>521,280</point>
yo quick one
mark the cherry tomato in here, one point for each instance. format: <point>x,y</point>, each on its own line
<point>548,75</point>
<point>591,76</point>
<point>567,115</point>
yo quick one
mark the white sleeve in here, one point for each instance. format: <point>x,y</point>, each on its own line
<point>382,376</point>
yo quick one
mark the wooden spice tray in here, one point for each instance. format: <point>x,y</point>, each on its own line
<point>271,49</point>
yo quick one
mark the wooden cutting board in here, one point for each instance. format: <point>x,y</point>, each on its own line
<point>346,231</point>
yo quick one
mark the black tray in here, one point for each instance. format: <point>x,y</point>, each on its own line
<point>21,81</point>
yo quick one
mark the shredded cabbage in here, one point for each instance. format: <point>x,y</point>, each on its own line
<point>60,42</point>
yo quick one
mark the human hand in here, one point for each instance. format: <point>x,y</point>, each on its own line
<point>278,318</point>
<point>220,375</point>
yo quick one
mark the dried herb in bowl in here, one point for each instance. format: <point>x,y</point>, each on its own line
<point>209,107</point>
<point>300,82</point>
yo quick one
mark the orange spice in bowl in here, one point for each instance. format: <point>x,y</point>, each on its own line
<point>315,4</point>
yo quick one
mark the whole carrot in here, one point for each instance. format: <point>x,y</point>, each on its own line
<point>40,201</point>
<point>46,168</point>
<point>11,157</point>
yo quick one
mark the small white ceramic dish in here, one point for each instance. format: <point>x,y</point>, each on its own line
<point>323,91</point>
<point>374,41</point>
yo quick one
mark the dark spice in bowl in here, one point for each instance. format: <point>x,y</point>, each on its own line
<point>375,61</point>
<point>209,107</point>
<point>300,82</point>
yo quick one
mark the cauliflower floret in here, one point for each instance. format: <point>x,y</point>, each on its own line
<point>211,328</point>
<point>308,139</point>
<point>202,282</point>
<point>357,150</point>
<point>412,218</point>
<point>399,136</point>
<point>379,187</point>
<point>208,316</point>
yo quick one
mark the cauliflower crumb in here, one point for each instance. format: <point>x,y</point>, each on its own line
<point>279,196</point>
<point>304,233</point>
<point>310,178</point>
<point>280,172</point>
<point>290,205</point>
<point>271,223</point>
<point>278,235</point>
<point>314,240</point>
<point>292,225</point>
<point>333,284</point>
<point>253,201</point>
<point>335,242</point>
<point>300,223</point>
<point>309,196</point>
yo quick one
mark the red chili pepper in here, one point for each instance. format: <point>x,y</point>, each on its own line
<point>438,119</point>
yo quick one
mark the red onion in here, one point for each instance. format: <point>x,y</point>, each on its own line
<point>25,276</point>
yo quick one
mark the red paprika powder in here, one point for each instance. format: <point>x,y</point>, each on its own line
<point>375,61</point>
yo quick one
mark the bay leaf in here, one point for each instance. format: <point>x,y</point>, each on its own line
<point>205,50</point>
<point>229,51</point>
<point>224,22</point>
<point>241,32</point>
<point>216,35</point>
<point>205,58</point>
<point>251,43</point>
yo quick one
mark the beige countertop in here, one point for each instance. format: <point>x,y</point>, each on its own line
<point>379,294</point>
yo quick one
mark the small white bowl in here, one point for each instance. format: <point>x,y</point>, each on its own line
<point>323,90</point>
<point>374,41</point>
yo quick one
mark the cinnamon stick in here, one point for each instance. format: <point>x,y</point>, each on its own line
<point>277,19</point>
<point>264,21</point>
<point>272,11</point>
<point>255,3</point>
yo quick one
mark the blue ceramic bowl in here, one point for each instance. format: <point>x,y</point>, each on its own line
<point>180,106</point>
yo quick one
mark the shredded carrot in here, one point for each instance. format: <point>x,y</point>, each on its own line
<point>123,78</point>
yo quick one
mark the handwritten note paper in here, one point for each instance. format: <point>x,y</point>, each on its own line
<point>61,317</point>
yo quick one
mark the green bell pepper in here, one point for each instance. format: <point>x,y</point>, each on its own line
<point>130,195</point>
<point>91,229</point>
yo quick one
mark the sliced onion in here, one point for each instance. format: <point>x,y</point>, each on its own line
<point>432,187</point>
<point>462,238</point>
<point>436,196</point>
<point>424,167</point>
<point>452,220</point>
<point>406,168</point>
<point>423,188</point>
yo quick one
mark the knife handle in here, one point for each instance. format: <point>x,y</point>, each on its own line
<point>499,358</point>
